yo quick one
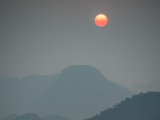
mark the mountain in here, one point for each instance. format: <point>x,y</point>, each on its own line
<point>54,117</point>
<point>3,77</point>
<point>80,92</point>
<point>10,117</point>
<point>31,116</point>
<point>28,116</point>
<point>144,106</point>
<point>20,95</point>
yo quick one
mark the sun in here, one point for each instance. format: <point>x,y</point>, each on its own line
<point>101,20</point>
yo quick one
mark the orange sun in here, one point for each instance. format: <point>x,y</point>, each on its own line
<point>101,20</point>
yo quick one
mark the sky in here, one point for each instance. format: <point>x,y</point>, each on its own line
<point>45,36</point>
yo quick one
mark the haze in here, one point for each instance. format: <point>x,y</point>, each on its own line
<point>44,37</point>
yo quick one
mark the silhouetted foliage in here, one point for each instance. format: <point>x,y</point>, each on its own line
<point>144,106</point>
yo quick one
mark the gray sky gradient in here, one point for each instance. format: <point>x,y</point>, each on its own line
<point>44,37</point>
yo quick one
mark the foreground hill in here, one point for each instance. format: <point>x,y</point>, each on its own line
<point>144,106</point>
<point>80,92</point>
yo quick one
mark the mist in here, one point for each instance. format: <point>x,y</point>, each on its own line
<point>41,40</point>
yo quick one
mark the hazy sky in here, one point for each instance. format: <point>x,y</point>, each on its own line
<point>46,36</point>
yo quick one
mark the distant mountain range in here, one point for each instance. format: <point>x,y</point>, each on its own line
<point>79,92</point>
<point>31,116</point>
<point>20,95</point>
<point>144,106</point>
<point>10,117</point>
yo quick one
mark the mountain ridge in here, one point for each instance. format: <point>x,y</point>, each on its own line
<point>19,95</point>
<point>144,106</point>
<point>79,89</point>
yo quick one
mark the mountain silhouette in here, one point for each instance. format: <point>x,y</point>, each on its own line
<point>28,116</point>
<point>20,95</point>
<point>10,117</point>
<point>80,92</point>
<point>144,106</point>
<point>31,116</point>
<point>54,117</point>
